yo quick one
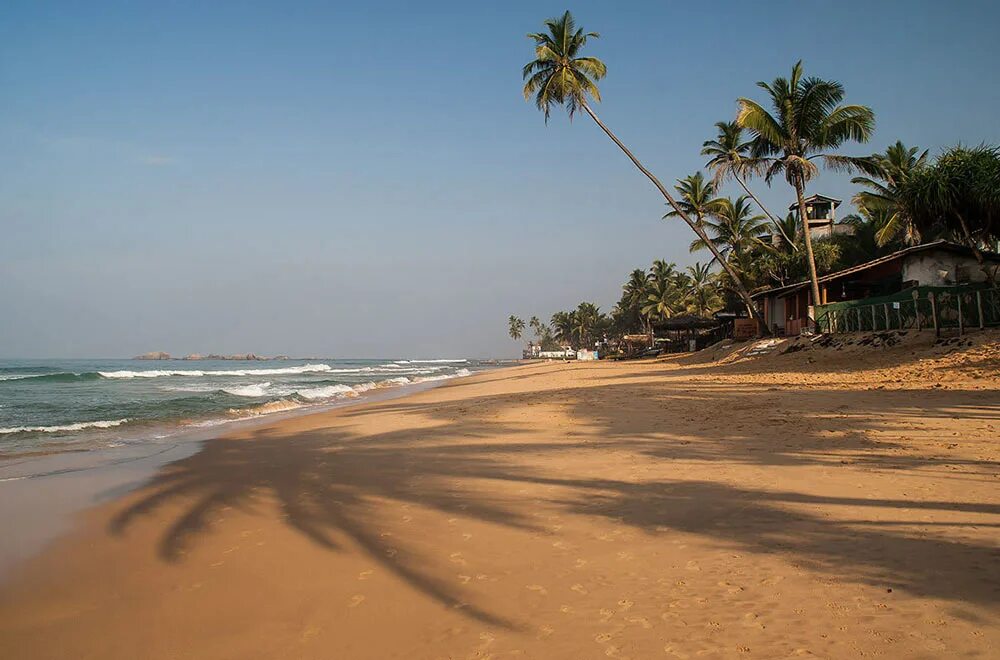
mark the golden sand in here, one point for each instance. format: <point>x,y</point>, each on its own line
<point>832,502</point>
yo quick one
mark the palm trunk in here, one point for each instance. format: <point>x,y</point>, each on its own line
<point>971,242</point>
<point>774,221</point>
<point>737,282</point>
<point>804,219</point>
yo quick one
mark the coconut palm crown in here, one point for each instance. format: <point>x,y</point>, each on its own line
<point>807,125</point>
<point>557,75</point>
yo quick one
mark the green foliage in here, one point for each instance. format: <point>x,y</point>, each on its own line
<point>882,202</point>
<point>515,327</point>
<point>959,194</point>
<point>558,75</point>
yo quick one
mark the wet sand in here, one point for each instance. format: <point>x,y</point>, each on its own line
<point>826,503</point>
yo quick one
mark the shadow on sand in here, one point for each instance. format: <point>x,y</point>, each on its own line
<point>329,483</point>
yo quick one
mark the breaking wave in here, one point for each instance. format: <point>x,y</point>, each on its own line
<point>78,426</point>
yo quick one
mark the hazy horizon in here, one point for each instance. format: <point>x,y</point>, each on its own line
<point>367,181</point>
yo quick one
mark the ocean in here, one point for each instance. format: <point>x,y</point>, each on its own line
<point>70,405</point>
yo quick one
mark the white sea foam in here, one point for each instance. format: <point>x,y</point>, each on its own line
<point>157,373</point>
<point>326,392</point>
<point>452,361</point>
<point>18,376</point>
<point>255,390</point>
<point>428,379</point>
<point>78,426</point>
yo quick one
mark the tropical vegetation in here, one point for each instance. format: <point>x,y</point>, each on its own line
<point>904,197</point>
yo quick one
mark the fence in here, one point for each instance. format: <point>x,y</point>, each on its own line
<point>920,308</point>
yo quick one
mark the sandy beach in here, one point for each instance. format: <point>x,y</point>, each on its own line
<point>829,502</point>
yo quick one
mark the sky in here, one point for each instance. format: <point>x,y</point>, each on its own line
<point>366,180</point>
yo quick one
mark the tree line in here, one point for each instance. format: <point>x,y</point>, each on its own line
<point>906,197</point>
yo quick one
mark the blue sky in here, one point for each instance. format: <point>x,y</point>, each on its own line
<point>365,179</point>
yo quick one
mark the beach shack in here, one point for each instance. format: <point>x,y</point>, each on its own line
<point>789,309</point>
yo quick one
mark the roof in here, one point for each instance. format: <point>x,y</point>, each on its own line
<point>934,245</point>
<point>816,198</point>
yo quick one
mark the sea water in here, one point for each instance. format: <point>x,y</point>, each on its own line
<point>59,405</point>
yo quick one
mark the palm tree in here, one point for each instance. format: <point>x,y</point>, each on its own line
<point>736,230</point>
<point>536,326</point>
<point>662,300</point>
<point>562,323</point>
<point>702,291</point>
<point>731,159</point>
<point>587,323</point>
<point>560,76</point>
<point>515,327</point>
<point>807,124</point>
<point>634,296</point>
<point>882,198</point>
<point>662,272</point>
<point>696,197</point>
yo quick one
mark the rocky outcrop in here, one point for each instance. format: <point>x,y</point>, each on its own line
<point>154,355</point>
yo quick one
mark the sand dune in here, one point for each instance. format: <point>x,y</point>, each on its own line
<point>828,502</point>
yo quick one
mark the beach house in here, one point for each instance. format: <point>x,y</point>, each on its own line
<point>789,309</point>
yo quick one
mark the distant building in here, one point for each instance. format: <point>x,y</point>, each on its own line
<point>788,309</point>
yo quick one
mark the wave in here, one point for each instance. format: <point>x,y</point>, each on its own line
<point>452,361</point>
<point>62,377</point>
<point>429,379</point>
<point>156,373</point>
<point>254,390</point>
<point>78,426</point>
<point>328,392</point>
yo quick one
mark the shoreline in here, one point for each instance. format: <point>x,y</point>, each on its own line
<point>778,507</point>
<point>42,512</point>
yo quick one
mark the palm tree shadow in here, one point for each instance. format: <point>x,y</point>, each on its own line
<point>326,486</point>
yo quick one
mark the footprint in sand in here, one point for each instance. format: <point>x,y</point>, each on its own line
<point>537,588</point>
<point>565,609</point>
<point>606,615</point>
<point>356,600</point>
<point>364,575</point>
<point>464,579</point>
<point>625,604</point>
<point>579,588</point>
<point>580,563</point>
<point>603,637</point>
<point>641,620</point>
<point>456,558</point>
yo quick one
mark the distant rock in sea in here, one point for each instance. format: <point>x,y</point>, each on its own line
<point>155,355</point>
<point>160,355</point>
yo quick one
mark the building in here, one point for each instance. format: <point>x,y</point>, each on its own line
<point>822,214</point>
<point>788,309</point>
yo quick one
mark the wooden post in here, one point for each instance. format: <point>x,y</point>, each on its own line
<point>873,318</point>
<point>886,307</point>
<point>916,309</point>
<point>958,296</point>
<point>979,308</point>
<point>937,330</point>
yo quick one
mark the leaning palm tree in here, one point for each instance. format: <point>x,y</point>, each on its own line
<point>808,123</point>
<point>562,323</point>
<point>515,327</point>
<point>731,159</point>
<point>559,75</point>
<point>882,199</point>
